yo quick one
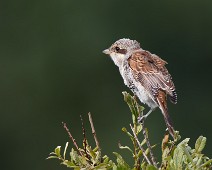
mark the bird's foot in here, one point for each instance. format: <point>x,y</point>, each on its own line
<point>142,118</point>
<point>135,97</point>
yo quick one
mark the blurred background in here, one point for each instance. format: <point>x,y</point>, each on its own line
<point>52,69</point>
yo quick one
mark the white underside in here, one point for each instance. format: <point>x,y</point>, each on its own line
<point>141,93</point>
<point>120,61</point>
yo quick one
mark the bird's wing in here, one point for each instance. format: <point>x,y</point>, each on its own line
<point>150,71</point>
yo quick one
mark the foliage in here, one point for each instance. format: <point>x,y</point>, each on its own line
<point>183,157</point>
<point>174,156</point>
<point>89,160</point>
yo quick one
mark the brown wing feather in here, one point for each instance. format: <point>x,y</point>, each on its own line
<point>150,71</point>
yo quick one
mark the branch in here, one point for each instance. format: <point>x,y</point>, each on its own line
<point>141,148</point>
<point>84,138</point>
<point>148,144</point>
<point>94,132</point>
<point>72,138</point>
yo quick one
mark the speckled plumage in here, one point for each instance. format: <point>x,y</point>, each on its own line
<point>145,74</point>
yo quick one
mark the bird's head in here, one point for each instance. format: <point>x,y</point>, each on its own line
<point>121,50</point>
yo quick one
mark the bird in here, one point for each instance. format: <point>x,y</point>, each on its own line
<point>146,76</point>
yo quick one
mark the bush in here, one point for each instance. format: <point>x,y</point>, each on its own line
<point>176,155</point>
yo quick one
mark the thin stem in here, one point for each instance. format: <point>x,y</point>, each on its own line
<point>136,138</point>
<point>135,147</point>
<point>72,138</point>
<point>148,144</point>
<point>84,138</point>
<point>94,132</point>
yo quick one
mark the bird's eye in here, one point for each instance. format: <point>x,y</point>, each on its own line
<point>117,48</point>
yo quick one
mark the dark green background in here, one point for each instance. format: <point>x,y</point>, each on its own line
<point>52,69</point>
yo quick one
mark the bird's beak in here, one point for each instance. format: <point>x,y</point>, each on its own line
<point>106,51</point>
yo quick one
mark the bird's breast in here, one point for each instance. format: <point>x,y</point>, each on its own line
<point>136,87</point>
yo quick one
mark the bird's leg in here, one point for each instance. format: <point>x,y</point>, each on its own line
<point>143,117</point>
<point>135,97</point>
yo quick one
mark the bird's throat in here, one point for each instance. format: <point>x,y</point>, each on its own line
<point>118,59</point>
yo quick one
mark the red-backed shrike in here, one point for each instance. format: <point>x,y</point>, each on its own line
<point>146,75</point>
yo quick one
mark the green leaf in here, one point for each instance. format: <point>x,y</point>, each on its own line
<point>184,142</point>
<point>91,152</point>
<point>78,168</point>
<point>147,151</point>
<point>199,160</point>
<point>139,128</point>
<point>125,147</point>
<point>128,133</point>
<point>69,164</point>
<point>140,153</point>
<point>101,166</point>
<point>105,159</point>
<point>143,165</point>
<point>57,151</point>
<point>124,129</point>
<point>74,156</point>
<point>121,162</point>
<point>52,157</point>
<point>95,149</point>
<point>131,103</point>
<point>178,158</point>
<point>115,167</point>
<point>98,158</point>
<point>200,144</point>
<point>151,167</point>
<point>143,142</point>
<point>206,163</point>
<point>165,153</point>
<point>186,152</point>
<point>64,153</point>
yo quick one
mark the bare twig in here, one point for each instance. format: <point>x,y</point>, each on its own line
<point>141,148</point>
<point>72,138</point>
<point>84,138</point>
<point>148,144</point>
<point>94,132</point>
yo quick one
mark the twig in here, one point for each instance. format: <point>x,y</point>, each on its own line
<point>72,138</point>
<point>94,132</point>
<point>136,138</point>
<point>148,144</point>
<point>84,138</point>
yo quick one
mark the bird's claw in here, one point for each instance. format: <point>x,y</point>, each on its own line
<point>141,118</point>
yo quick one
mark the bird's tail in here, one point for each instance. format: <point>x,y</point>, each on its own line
<point>163,107</point>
